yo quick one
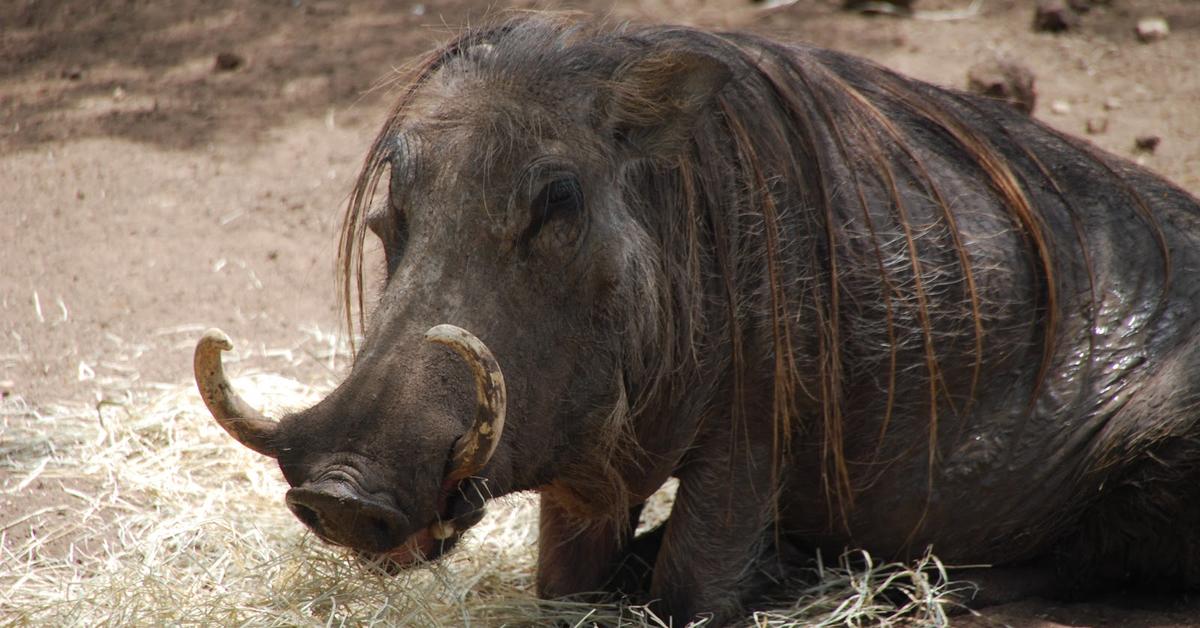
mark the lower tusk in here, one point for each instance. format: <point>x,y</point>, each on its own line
<point>442,530</point>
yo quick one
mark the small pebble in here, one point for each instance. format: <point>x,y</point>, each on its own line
<point>1152,29</point>
<point>1060,107</point>
<point>887,7</point>
<point>72,74</point>
<point>1006,80</point>
<point>228,61</point>
<point>1112,103</point>
<point>1054,16</point>
<point>1147,143</point>
<point>1096,126</point>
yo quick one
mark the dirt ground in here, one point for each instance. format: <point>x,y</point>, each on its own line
<point>148,192</point>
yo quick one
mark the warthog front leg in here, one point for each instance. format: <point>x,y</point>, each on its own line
<point>593,558</point>
<point>719,527</point>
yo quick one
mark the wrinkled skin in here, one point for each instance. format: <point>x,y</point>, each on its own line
<point>534,200</point>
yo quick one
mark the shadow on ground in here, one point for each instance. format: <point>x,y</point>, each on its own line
<point>178,74</point>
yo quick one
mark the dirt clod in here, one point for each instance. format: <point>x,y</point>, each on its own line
<point>1054,16</point>
<point>1006,80</point>
<point>874,7</point>
<point>1096,126</point>
<point>228,61</point>
<point>1147,143</point>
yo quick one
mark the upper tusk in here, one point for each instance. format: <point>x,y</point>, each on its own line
<point>473,449</point>
<point>245,424</point>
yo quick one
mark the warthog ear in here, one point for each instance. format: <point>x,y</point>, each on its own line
<point>655,100</point>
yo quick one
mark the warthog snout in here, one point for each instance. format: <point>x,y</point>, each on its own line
<point>332,501</point>
<point>339,512</point>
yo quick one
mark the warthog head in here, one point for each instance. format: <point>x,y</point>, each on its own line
<point>520,234</point>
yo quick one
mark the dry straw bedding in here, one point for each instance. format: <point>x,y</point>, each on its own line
<point>165,521</point>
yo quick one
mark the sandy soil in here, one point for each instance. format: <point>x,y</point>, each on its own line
<point>148,194</point>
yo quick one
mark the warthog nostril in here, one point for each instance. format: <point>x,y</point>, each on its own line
<point>339,513</point>
<point>306,515</point>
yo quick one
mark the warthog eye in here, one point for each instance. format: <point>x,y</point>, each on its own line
<point>560,197</point>
<point>555,209</point>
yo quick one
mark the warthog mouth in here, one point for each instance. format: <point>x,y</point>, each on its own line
<point>427,544</point>
<point>419,548</point>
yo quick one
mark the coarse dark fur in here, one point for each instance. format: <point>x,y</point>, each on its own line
<point>845,308</point>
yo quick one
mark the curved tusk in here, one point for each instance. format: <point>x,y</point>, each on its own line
<point>473,449</point>
<point>245,424</point>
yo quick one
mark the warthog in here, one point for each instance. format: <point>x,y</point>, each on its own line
<point>843,307</point>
